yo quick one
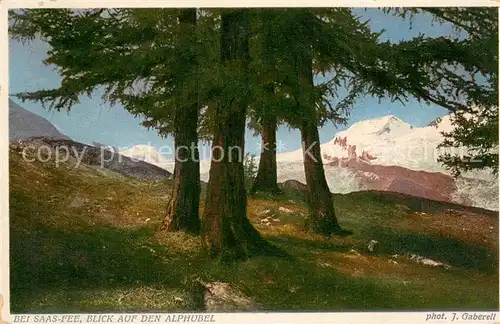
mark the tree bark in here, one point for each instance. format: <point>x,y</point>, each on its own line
<point>322,217</point>
<point>227,233</point>
<point>267,174</point>
<point>183,207</point>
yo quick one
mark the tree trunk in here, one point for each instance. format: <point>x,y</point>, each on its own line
<point>267,175</point>
<point>322,217</point>
<point>227,233</point>
<point>183,207</point>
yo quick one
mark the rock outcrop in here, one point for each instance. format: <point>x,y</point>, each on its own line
<point>223,297</point>
<point>77,153</point>
<point>293,185</point>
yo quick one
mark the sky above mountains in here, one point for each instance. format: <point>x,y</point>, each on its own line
<point>93,120</point>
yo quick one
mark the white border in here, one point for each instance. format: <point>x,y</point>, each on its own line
<point>309,318</point>
<point>244,3</point>
<point>4,167</point>
<point>262,318</point>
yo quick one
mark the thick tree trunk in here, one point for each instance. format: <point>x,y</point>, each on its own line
<point>183,207</point>
<point>267,174</point>
<point>322,217</point>
<point>227,233</point>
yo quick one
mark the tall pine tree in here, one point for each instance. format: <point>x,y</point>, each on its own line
<point>333,42</point>
<point>227,232</point>
<point>149,60</point>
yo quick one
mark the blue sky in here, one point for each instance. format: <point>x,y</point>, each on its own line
<point>93,120</point>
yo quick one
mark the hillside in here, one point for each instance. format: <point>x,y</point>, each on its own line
<point>24,124</point>
<point>101,159</point>
<point>150,155</point>
<point>87,241</point>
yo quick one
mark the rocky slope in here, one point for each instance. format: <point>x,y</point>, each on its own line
<point>42,139</point>
<point>24,124</point>
<point>82,155</point>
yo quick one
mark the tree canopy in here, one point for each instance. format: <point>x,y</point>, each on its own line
<point>235,64</point>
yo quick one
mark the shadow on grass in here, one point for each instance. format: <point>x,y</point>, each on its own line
<point>48,261</point>
<point>293,243</point>
<point>416,204</point>
<point>445,249</point>
<point>302,285</point>
<point>96,258</point>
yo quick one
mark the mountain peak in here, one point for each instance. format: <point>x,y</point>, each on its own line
<point>389,124</point>
<point>143,147</point>
<point>24,124</point>
<point>147,153</point>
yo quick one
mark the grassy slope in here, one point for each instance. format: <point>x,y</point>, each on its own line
<point>81,241</point>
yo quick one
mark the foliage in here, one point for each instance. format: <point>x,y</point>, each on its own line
<point>250,169</point>
<point>466,69</point>
<point>473,143</point>
<point>146,59</point>
<point>138,57</point>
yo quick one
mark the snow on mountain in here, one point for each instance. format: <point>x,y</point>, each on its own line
<point>393,142</point>
<point>24,124</point>
<point>387,153</point>
<point>385,127</point>
<point>390,140</point>
<point>378,154</point>
<point>149,154</point>
<point>340,180</point>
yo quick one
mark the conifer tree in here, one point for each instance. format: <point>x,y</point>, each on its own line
<point>227,232</point>
<point>149,60</point>
<point>229,65</point>
<point>263,114</point>
<point>465,70</point>
<point>333,41</point>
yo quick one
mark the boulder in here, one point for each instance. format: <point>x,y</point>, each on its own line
<point>372,246</point>
<point>223,297</point>
<point>293,185</point>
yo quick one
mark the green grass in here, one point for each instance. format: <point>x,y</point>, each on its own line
<point>105,254</point>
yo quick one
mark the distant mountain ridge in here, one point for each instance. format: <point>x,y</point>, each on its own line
<point>98,157</point>
<point>389,154</point>
<point>27,128</point>
<point>385,154</point>
<point>389,140</point>
<point>24,124</point>
<point>148,154</point>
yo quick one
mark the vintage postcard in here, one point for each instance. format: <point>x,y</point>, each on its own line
<point>219,163</point>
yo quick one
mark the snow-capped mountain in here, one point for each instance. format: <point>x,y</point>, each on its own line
<point>384,153</point>
<point>24,124</point>
<point>387,153</point>
<point>149,154</point>
<point>389,140</point>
